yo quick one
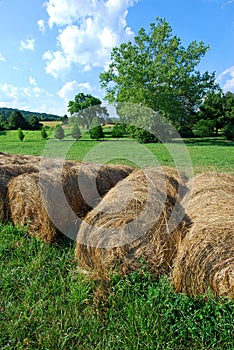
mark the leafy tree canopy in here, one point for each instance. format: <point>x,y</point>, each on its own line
<point>87,107</point>
<point>17,120</point>
<point>158,72</point>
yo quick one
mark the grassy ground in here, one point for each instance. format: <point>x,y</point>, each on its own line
<point>208,154</point>
<point>46,304</point>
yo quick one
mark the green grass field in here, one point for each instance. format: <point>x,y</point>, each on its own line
<point>46,304</point>
<point>212,154</point>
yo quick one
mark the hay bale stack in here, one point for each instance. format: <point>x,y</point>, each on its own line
<point>51,202</point>
<point>205,260</point>
<point>133,226</point>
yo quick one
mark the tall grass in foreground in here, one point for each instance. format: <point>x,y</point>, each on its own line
<point>46,304</point>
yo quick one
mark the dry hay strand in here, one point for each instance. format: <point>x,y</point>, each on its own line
<point>2,203</point>
<point>50,202</point>
<point>205,259</point>
<point>6,158</point>
<point>27,207</point>
<point>133,226</point>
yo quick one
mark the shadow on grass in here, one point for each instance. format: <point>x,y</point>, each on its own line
<point>208,142</point>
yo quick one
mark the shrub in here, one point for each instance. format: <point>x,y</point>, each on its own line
<point>20,134</point>
<point>44,134</point>
<point>144,136</point>
<point>75,131</point>
<point>59,132</point>
<point>117,131</point>
<point>96,132</point>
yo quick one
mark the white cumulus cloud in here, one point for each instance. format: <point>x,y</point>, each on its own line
<point>71,88</point>
<point>41,26</point>
<point>226,79</point>
<point>88,31</point>
<point>27,44</point>
<point>32,81</point>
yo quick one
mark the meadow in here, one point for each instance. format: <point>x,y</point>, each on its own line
<point>210,154</point>
<point>45,303</point>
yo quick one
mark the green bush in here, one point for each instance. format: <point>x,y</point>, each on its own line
<point>144,136</point>
<point>21,135</point>
<point>116,131</point>
<point>59,132</point>
<point>75,131</point>
<point>96,132</point>
<point>44,134</point>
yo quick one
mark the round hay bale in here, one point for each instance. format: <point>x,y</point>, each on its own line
<point>205,259</point>
<point>27,207</point>
<point>2,203</point>
<point>50,202</point>
<point>129,227</point>
<point>6,158</point>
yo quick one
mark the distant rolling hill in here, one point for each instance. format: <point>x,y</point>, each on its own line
<point>6,112</point>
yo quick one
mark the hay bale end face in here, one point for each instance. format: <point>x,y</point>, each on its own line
<point>130,226</point>
<point>27,207</point>
<point>51,203</point>
<point>205,259</point>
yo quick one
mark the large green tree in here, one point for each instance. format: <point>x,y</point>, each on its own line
<point>16,120</point>
<point>86,107</point>
<point>157,71</point>
<point>213,109</point>
<point>219,108</point>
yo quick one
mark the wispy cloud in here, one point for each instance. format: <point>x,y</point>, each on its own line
<point>226,79</point>
<point>27,44</point>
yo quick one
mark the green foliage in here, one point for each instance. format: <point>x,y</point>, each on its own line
<point>17,120</point>
<point>213,109</point>
<point>75,131</point>
<point>96,132</point>
<point>44,134</point>
<point>59,132</point>
<point>95,122</point>
<point>158,72</point>
<point>144,136</point>
<point>228,131</point>
<point>46,304</point>
<point>87,107</point>
<point>64,119</point>
<point>204,128</point>
<point>34,123</point>
<point>117,131</point>
<point>229,107</point>
<point>6,112</point>
<point>21,135</point>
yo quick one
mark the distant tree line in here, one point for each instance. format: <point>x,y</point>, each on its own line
<point>5,114</point>
<point>16,120</point>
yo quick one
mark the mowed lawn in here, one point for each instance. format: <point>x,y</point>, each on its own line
<point>212,154</point>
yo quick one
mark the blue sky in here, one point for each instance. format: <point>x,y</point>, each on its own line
<point>51,50</point>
